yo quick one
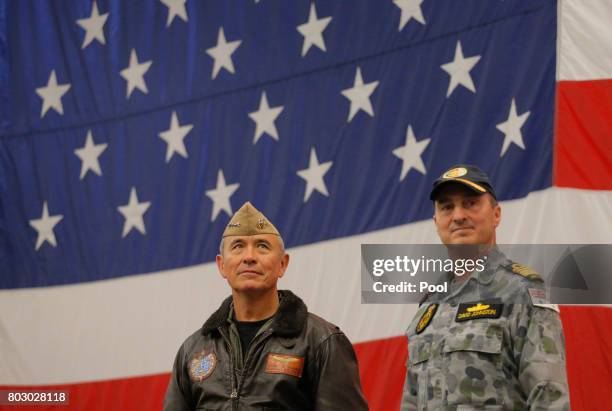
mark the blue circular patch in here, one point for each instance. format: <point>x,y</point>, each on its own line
<point>202,366</point>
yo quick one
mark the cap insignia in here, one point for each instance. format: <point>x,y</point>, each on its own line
<point>455,172</point>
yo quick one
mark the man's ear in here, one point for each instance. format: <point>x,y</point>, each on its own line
<point>220,265</point>
<point>284,265</point>
<point>497,214</point>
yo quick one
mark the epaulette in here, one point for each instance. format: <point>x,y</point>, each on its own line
<point>524,271</point>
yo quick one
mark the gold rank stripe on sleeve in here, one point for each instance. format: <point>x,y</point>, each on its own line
<point>474,311</point>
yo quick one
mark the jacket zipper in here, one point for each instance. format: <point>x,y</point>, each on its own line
<point>258,341</point>
<point>234,394</point>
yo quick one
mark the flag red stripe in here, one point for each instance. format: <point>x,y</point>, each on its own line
<point>583,145</point>
<point>588,339</point>
<point>382,370</point>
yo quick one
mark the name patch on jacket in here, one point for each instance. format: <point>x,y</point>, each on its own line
<point>473,311</point>
<point>202,366</point>
<point>285,364</point>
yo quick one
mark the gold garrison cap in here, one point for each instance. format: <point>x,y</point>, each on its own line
<point>249,221</point>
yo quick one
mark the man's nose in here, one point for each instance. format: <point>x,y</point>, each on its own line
<point>459,215</point>
<point>248,256</point>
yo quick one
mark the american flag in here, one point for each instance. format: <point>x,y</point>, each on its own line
<point>130,131</point>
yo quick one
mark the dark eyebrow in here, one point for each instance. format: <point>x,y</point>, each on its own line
<point>443,200</point>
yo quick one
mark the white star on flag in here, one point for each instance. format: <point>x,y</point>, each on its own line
<point>264,119</point>
<point>312,31</point>
<point>220,196</point>
<point>222,53</point>
<point>134,74</point>
<point>359,96</point>
<point>133,213</point>
<point>512,128</point>
<point>175,8</point>
<point>93,26</point>
<point>175,137</point>
<point>410,154</point>
<point>89,154</point>
<point>52,95</point>
<point>313,175</point>
<point>459,70</point>
<point>411,9</point>
<point>44,225</point>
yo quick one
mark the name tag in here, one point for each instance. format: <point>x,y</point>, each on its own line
<point>285,364</point>
<point>472,311</point>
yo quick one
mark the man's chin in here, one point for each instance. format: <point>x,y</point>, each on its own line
<point>251,286</point>
<point>463,239</point>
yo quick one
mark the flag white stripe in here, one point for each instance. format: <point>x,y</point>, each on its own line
<point>584,46</point>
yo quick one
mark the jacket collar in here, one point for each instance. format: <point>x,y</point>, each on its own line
<point>288,321</point>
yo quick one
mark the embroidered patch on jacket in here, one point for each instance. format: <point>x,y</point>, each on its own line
<point>285,364</point>
<point>473,311</point>
<point>426,318</point>
<point>538,299</point>
<point>202,366</point>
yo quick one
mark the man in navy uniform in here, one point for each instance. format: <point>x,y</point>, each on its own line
<point>262,349</point>
<point>492,342</point>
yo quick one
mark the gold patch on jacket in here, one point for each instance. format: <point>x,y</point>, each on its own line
<point>285,364</point>
<point>202,366</point>
<point>472,311</point>
<point>426,318</point>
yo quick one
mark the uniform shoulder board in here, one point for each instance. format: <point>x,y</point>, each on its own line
<point>525,271</point>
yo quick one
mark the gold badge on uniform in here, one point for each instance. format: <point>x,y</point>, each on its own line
<point>426,318</point>
<point>285,364</point>
<point>261,223</point>
<point>455,172</point>
<point>473,311</point>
